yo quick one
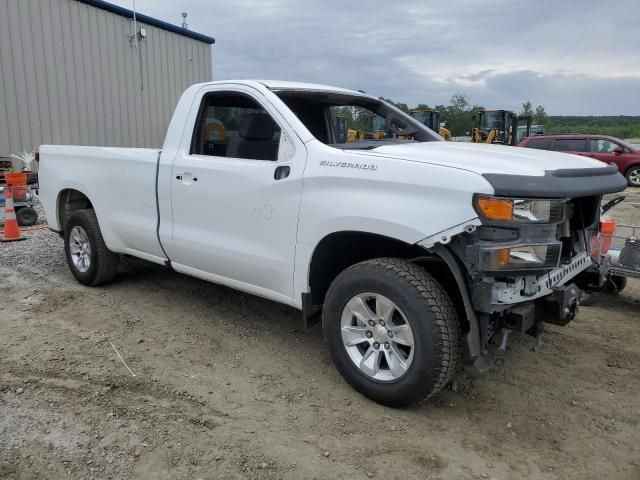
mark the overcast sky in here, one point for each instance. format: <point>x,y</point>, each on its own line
<point>575,57</point>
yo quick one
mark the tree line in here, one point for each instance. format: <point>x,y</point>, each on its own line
<point>460,112</point>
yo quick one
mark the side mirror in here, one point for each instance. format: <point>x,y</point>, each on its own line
<point>618,150</point>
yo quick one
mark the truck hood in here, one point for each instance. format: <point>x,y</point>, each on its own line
<point>483,158</point>
<point>514,171</point>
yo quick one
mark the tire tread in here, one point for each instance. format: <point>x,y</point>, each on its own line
<point>107,261</point>
<point>445,318</point>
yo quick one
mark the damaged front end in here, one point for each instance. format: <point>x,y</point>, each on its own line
<point>521,263</point>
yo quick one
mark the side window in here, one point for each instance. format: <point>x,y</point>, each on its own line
<point>599,145</point>
<point>570,145</point>
<point>234,125</point>
<point>540,143</point>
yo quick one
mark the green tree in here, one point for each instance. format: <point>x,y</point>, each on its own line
<point>527,109</point>
<point>402,106</point>
<point>459,102</point>
<point>441,108</point>
<point>540,117</point>
<point>459,114</point>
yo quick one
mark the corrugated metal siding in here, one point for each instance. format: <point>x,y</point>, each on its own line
<point>70,75</point>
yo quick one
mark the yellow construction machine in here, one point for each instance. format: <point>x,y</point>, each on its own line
<point>500,127</point>
<point>431,119</point>
<point>376,130</point>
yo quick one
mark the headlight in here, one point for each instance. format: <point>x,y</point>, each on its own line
<point>520,210</point>
<point>523,257</point>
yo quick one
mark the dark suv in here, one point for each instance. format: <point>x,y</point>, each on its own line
<point>601,147</point>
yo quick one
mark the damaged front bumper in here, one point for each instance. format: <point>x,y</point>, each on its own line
<point>490,295</point>
<point>524,304</point>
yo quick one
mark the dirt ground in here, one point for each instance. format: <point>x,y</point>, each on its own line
<point>228,386</point>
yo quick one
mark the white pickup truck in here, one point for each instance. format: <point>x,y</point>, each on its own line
<point>416,252</point>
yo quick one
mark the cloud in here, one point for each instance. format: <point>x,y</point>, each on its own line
<point>573,59</point>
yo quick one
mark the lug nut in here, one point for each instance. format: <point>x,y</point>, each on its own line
<point>389,333</point>
<point>369,334</point>
<point>387,346</point>
<point>376,345</point>
<point>382,322</point>
<point>372,323</point>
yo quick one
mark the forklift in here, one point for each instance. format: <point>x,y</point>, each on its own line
<point>500,127</point>
<point>431,119</point>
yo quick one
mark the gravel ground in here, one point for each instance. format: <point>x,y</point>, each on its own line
<point>228,386</point>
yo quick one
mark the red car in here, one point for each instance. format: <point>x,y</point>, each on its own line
<point>601,147</point>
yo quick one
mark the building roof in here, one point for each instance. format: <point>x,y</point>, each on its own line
<point>149,20</point>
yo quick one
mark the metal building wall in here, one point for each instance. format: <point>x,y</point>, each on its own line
<point>69,74</point>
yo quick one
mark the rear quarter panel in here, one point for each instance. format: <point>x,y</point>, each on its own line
<point>119,182</point>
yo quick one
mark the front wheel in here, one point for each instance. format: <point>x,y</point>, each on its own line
<point>633,176</point>
<point>392,331</point>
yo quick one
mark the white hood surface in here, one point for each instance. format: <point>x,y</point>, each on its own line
<point>483,158</point>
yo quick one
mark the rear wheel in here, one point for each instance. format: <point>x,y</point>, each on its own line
<point>633,176</point>
<point>392,331</point>
<point>89,259</point>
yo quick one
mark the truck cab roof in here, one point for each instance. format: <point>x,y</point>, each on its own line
<point>278,85</point>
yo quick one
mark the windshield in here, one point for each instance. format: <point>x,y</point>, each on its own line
<point>632,147</point>
<point>428,118</point>
<point>491,121</point>
<point>422,117</point>
<point>353,121</point>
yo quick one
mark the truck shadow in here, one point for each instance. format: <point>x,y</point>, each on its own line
<point>252,312</point>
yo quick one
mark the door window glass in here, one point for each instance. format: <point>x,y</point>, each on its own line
<point>540,143</point>
<point>570,145</point>
<point>236,126</point>
<point>599,145</point>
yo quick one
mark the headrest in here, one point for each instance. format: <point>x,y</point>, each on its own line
<point>256,126</point>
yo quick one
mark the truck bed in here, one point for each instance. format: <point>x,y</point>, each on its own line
<point>120,184</point>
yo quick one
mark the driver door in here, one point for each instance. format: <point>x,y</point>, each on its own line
<point>604,150</point>
<point>236,193</point>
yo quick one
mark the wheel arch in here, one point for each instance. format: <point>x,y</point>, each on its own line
<point>69,200</point>
<point>340,250</point>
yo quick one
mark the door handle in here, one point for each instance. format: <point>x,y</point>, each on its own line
<point>282,172</point>
<point>186,178</point>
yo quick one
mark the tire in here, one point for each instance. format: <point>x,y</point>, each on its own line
<point>588,299</point>
<point>615,284</point>
<point>419,301</point>
<point>633,176</point>
<point>102,264</point>
<point>26,216</point>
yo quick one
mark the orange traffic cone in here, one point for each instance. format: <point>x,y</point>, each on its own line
<point>11,231</point>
